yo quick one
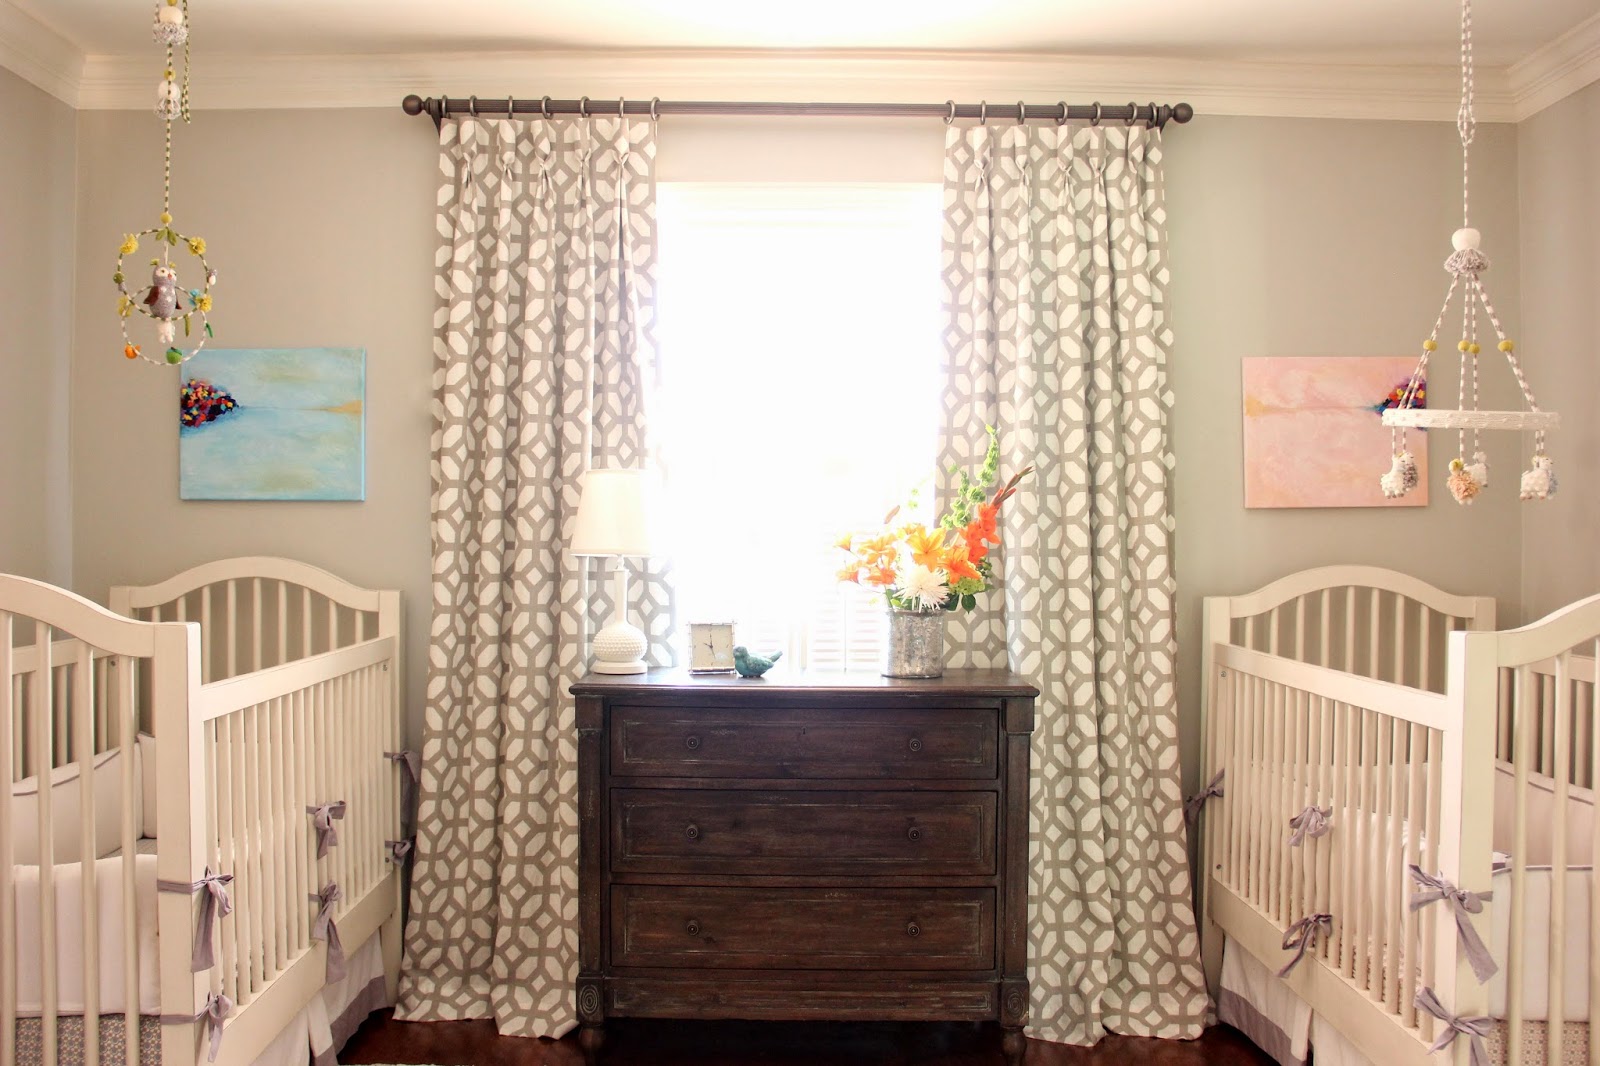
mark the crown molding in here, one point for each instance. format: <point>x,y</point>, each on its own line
<point>1557,70</point>
<point>1296,90</point>
<point>38,54</point>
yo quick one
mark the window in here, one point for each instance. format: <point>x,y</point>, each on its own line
<point>799,333</point>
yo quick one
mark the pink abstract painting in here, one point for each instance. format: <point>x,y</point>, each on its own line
<point>1313,434</point>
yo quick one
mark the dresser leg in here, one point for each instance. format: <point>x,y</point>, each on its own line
<point>590,1037</point>
<point>1014,1043</point>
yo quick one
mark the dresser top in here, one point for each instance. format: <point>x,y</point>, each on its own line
<point>1002,683</point>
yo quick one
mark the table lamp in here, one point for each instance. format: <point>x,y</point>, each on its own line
<point>615,521</point>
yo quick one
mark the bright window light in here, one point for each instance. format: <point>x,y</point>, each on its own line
<point>799,335</point>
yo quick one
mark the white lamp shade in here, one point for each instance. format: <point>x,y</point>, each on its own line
<point>617,514</point>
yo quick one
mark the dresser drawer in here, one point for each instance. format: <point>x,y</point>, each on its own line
<point>714,831</point>
<point>803,929</point>
<point>940,743</point>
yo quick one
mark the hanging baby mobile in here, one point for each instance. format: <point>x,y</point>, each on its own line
<point>1469,470</point>
<point>164,299</point>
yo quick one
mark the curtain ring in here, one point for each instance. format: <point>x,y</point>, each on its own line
<point>472,106</point>
<point>1152,123</point>
<point>544,107</point>
<point>1095,119</point>
<point>655,102</point>
<point>622,107</point>
<point>951,117</point>
<point>1133,114</point>
<point>983,113</point>
<point>511,107</point>
<point>583,108</point>
<point>1022,113</point>
<point>1062,121</point>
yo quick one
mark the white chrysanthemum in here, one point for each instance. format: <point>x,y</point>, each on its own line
<point>927,589</point>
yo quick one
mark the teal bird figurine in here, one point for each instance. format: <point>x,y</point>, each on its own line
<point>750,665</point>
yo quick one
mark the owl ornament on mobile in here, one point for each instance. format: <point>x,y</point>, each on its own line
<point>165,301</point>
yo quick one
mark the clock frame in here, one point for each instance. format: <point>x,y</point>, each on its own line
<point>710,647</point>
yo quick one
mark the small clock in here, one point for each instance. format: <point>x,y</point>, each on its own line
<point>710,647</point>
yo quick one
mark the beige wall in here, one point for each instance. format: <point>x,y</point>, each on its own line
<point>1558,158</point>
<point>1288,238</point>
<point>37,173</point>
<point>320,224</point>
<point>1322,238</point>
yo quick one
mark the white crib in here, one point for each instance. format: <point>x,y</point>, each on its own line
<point>1396,708</point>
<point>266,687</point>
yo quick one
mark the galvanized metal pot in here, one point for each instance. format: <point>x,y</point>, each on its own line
<point>916,644</point>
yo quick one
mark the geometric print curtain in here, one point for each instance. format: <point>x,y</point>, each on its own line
<point>1055,278</point>
<point>543,367</point>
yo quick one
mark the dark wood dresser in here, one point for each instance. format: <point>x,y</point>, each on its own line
<point>842,846</point>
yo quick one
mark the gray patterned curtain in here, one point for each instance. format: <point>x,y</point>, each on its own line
<point>1055,290</point>
<point>543,363</point>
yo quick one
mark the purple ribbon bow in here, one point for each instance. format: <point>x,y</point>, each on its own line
<point>1314,821</point>
<point>324,928</point>
<point>1475,1029</point>
<point>215,904</point>
<point>1298,937</point>
<point>411,763</point>
<point>218,1007</point>
<point>1463,903</point>
<point>1192,805</point>
<point>322,817</point>
<point>398,850</point>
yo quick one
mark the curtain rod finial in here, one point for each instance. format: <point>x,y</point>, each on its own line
<point>412,104</point>
<point>1182,113</point>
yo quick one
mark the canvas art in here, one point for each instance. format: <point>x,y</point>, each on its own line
<point>273,424</point>
<point>1313,431</point>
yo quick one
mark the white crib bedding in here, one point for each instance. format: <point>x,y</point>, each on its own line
<point>316,1033</point>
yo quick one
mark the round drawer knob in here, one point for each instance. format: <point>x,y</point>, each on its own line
<point>913,929</point>
<point>692,927</point>
<point>692,832</point>
<point>913,834</point>
<point>692,742</point>
<point>915,744</point>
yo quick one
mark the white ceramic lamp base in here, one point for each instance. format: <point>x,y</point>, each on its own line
<point>619,649</point>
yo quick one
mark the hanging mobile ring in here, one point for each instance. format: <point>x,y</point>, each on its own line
<point>1022,113</point>
<point>583,108</point>
<point>655,102</point>
<point>1133,113</point>
<point>544,107</point>
<point>1062,121</point>
<point>1094,120</point>
<point>983,113</point>
<point>951,117</point>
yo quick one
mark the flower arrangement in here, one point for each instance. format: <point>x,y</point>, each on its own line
<point>940,568</point>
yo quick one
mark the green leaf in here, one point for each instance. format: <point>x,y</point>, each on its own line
<point>208,330</point>
<point>969,602</point>
<point>185,325</point>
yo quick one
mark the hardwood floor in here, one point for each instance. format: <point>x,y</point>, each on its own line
<point>641,1042</point>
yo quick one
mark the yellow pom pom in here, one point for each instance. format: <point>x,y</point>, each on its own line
<point>1462,345</point>
<point>1429,345</point>
<point>1506,345</point>
<point>202,303</point>
<point>1473,348</point>
<point>197,246</point>
<point>166,218</point>
<point>130,244</point>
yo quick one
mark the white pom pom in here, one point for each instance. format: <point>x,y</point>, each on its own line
<point>1479,469</point>
<point>169,14</point>
<point>166,332</point>
<point>1466,238</point>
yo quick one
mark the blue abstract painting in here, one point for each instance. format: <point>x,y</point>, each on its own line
<point>273,424</point>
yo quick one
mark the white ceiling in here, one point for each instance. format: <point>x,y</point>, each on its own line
<point>1332,31</point>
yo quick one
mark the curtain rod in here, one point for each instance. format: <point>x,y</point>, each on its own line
<point>437,108</point>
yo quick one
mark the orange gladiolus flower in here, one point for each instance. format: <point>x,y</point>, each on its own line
<point>957,564</point>
<point>850,573</point>
<point>881,576</point>
<point>844,541</point>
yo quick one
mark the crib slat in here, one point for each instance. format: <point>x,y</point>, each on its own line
<point>1300,629</point>
<point>1426,1021</point>
<point>1283,784</point>
<point>1366,836</point>
<point>1561,711</point>
<point>1382,813</point>
<point>82,704</point>
<point>208,637</point>
<point>1394,873</point>
<point>1399,668</point>
<point>257,638</point>
<point>306,622</point>
<point>1416,819</point>
<point>43,703</point>
<point>279,821</point>
<point>247,852</point>
<point>121,692</point>
<point>8,757</point>
<point>1272,631</point>
<point>283,622</point>
<point>1329,875</point>
<point>1257,793</point>
<point>1324,598</point>
<point>305,770</point>
<point>228,856</point>
<point>231,628</point>
<point>1516,968</point>
<point>250,816</point>
<point>1374,643</point>
<point>1350,629</point>
<point>1424,650</point>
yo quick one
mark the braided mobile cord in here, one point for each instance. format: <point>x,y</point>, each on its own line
<point>1516,365</point>
<point>1461,379</point>
<point>1466,123</point>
